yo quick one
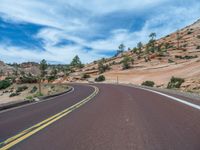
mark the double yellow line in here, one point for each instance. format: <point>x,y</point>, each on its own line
<point>10,142</point>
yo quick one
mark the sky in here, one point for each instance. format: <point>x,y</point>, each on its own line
<point>57,30</point>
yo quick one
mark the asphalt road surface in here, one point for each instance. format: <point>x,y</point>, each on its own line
<point>117,118</point>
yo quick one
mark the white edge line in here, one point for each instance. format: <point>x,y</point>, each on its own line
<point>3,111</point>
<point>172,97</point>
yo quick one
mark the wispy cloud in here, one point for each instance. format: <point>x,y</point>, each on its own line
<point>90,29</point>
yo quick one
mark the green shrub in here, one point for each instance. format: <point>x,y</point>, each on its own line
<point>21,89</point>
<point>11,79</point>
<point>100,78</point>
<point>5,84</point>
<point>51,78</point>
<point>28,79</point>
<point>170,61</point>
<point>85,76</point>
<point>38,94</point>
<point>52,86</point>
<point>186,57</point>
<point>126,62</point>
<point>175,83</point>
<point>148,83</point>
<point>29,97</point>
<point>102,68</point>
<point>14,94</point>
<point>34,89</point>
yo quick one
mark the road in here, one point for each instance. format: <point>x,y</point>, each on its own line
<point>117,118</point>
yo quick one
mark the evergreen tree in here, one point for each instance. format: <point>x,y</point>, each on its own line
<point>76,62</point>
<point>43,67</point>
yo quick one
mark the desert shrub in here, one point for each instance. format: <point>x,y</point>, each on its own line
<point>186,57</point>
<point>100,78</point>
<point>51,78</point>
<point>5,84</point>
<point>175,83</point>
<point>38,94</point>
<point>14,94</point>
<point>34,89</point>
<point>52,86</point>
<point>28,79</point>
<point>29,97</point>
<point>170,61</point>
<point>85,76</point>
<point>185,45</point>
<point>198,36</point>
<point>198,47</point>
<point>21,89</point>
<point>189,32</point>
<point>113,63</point>
<point>126,62</point>
<point>148,83</point>
<point>102,68</point>
<point>11,79</point>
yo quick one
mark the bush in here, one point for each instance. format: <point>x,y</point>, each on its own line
<point>14,94</point>
<point>28,79</point>
<point>5,84</point>
<point>198,47</point>
<point>85,76</point>
<point>148,83</point>
<point>102,68</point>
<point>21,89</point>
<point>175,83</point>
<point>189,32</point>
<point>11,79</point>
<point>126,62</point>
<point>198,36</point>
<point>170,61</point>
<point>38,94</point>
<point>29,97</point>
<point>186,57</point>
<point>100,78</point>
<point>51,78</point>
<point>34,89</point>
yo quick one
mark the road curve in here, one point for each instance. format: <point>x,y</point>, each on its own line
<point>118,118</point>
<point>18,119</point>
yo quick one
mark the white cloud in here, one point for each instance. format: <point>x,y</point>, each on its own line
<point>76,20</point>
<point>53,54</point>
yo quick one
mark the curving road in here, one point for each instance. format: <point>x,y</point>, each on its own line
<point>117,118</point>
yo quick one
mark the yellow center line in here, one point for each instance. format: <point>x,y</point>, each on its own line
<point>10,142</point>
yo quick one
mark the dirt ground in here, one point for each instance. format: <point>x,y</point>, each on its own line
<point>47,89</point>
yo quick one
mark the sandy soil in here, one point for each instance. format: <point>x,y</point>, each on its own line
<point>47,89</point>
<point>160,74</point>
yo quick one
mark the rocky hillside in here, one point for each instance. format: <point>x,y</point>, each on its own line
<point>177,54</point>
<point>23,68</point>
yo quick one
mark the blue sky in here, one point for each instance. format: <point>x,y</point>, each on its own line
<point>57,30</point>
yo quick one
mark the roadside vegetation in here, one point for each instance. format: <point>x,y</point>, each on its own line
<point>148,83</point>
<point>100,78</point>
<point>175,82</point>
